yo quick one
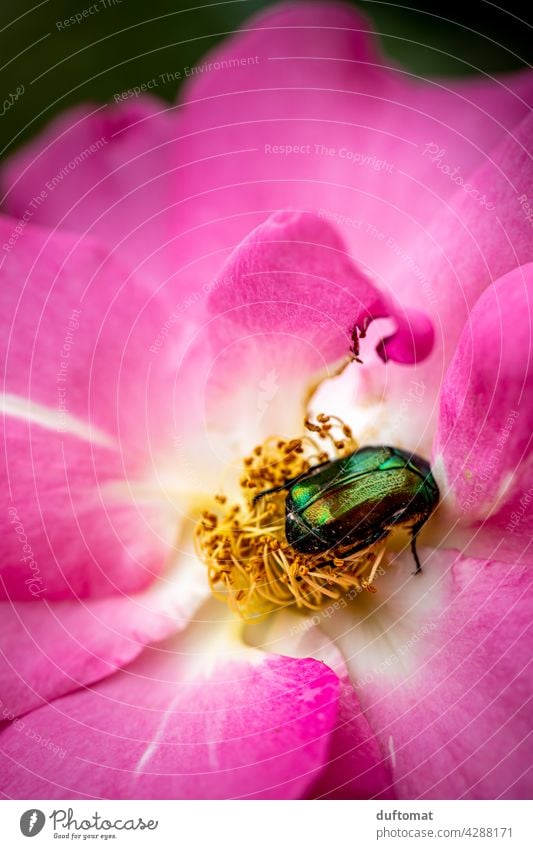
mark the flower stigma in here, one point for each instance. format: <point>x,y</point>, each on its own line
<point>250,564</point>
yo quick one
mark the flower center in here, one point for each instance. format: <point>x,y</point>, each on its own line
<point>250,564</point>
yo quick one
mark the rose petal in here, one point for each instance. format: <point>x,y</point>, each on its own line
<point>49,649</point>
<point>483,233</point>
<point>87,412</point>
<point>462,253</point>
<point>293,275</point>
<point>384,404</point>
<point>482,444</point>
<point>103,171</point>
<point>76,521</point>
<point>283,309</point>
<point>440,666</point>
<point>300,111</point>
<point>74,314</point>
<point>356,768</point>
<point>178,724</point>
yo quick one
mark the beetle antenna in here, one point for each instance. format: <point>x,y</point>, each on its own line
<point>260,495</point>
<point>290,482</point>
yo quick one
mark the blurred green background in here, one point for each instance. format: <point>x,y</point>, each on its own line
<point>129,41</point>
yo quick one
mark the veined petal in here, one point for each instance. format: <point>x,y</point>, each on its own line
<point>482,450</point>
<point>356,766</point>
<point>77,327</point>
<point>48,649</point>
<point>293,275</point>
<point>296,110</point>
<point>383,403</point>
<point>480,235</point>
<point>285,309</point>
<point>87,413</point>
<point>76,520</point>
<point>441,667</point>
<point>300,111</point>
<point>178,724</point>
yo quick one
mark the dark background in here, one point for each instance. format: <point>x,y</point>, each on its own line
<point>132,41</point>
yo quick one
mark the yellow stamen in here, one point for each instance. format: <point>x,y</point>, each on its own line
<point>249,562</point>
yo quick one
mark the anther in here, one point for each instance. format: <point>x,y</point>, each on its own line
<point>250,564</point>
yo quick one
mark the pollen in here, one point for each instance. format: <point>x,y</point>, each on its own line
<point>249,563</point>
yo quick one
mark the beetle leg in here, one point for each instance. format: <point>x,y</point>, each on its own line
<point>372,540</point>
<point>414,531</point>
<point>415,555</point>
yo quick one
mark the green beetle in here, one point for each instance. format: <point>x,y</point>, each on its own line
<point>349,504</point>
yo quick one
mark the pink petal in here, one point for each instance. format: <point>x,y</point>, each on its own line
<point>66,299</point>
<point>293,276</point>
<point>482,445</point>
<point>441,668</point>
<point>463,251</point>
<point>356,767</point>
<point>103,171</point>
<point>87,411</point>
<point>384,404</point>
<point>308,79</point>
<point>482,234</point>
<point>49,649</point>
<point>284,308</point>
<point>175,725</point>
<point>73,522</point>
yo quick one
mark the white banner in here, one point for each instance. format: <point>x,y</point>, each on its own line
<point>268,824</point>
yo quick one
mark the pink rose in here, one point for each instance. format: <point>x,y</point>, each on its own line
<point>176,284</point>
